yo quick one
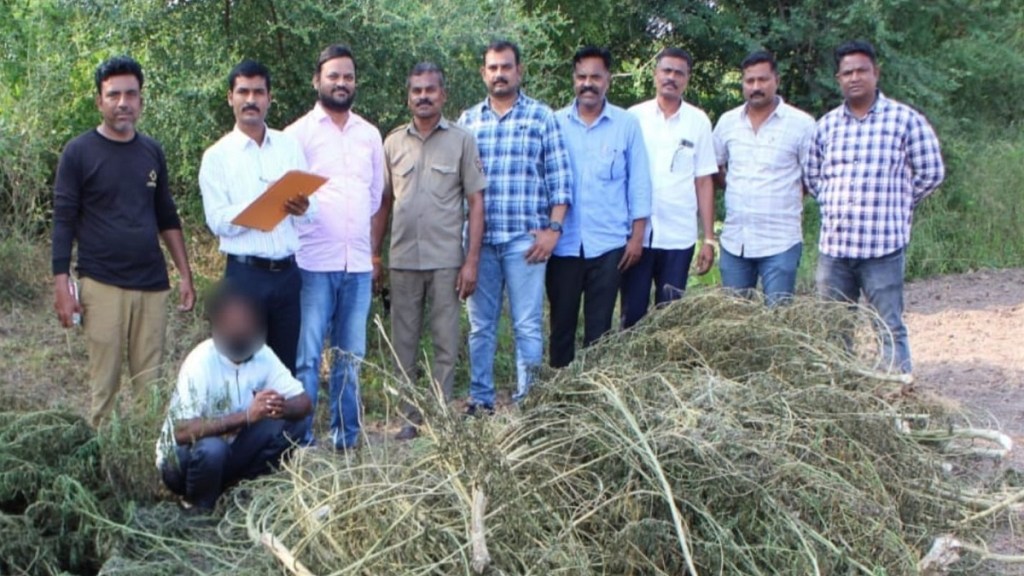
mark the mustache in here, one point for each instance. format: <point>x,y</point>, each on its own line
<point>501,79</point>
<point>590,89</point>
<point>422,101</point>
<point>252,107</point>
<point>757,93</point>
<point>671,83</point>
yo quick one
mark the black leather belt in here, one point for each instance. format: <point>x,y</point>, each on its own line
<point>264,263</point>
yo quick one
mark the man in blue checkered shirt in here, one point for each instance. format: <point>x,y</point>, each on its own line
<point>529,187</point>
<point>871,161</point>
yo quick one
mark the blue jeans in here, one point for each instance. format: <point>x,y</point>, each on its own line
<point>881,281</point>
<point>777,273</point>
<point>339,301</point>
<point>203,470</point>
<point>501,266</point>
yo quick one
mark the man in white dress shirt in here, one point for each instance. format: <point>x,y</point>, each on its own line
<point>234,172</point>
<point>234,407</point>
<point>677,136</point>
<point>761,147</point>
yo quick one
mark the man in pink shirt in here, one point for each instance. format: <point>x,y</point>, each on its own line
<point>335,257</point>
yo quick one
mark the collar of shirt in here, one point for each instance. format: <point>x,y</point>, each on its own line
<point>244,141</point>
<point>574,114</point>
<point>781,110</point>
<point>879,105</point>
<point>412,131</point>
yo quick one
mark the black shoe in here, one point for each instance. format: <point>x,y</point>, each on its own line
<point>408,432</point>
<point>478,410</point>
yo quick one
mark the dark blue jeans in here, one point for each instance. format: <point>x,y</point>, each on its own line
<point>277,292</point>
<point>205,469</point>
<point>668,270</point>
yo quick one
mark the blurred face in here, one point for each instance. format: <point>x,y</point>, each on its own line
<point>671,75</point>
<point>236,333</point>
<point>426,97</point>
<point>760,85</point>
<point>250,100</point>
<point>501,74</point>
<point>336,84</point>
<point>590,82</point>
<point>120,103</point>
<point>858,77</point>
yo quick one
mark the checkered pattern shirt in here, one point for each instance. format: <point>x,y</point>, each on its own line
<point>526,164</point>
<point>868,175</point>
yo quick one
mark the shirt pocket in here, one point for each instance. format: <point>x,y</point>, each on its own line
<point>403,169</point>
<point>611,164</point>
<point>444,183</point>
<point>683,160</point>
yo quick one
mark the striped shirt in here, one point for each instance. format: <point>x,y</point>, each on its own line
<point>234,172</point>
<point>526,164</point>
<point>868,174</point>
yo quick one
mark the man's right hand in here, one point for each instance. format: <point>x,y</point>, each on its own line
<point>63,302</point>
<point>265,404</point>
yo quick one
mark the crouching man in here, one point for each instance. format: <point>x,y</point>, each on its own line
<point>235,409</point>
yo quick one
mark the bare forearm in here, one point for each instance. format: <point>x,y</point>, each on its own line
<point>297,407</point>
<point>476,227</point>
<point>175,242</point>
<point>558,212</point>
<point>379,225</point>
<point>189,431</point>
<point>706,205</point>
<point>639,230</point>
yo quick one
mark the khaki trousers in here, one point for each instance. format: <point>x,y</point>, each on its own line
<point>410,292</point>
<point>114,318</point>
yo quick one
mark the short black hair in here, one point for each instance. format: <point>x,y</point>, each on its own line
<point>673,52</point>
<point>248,69</point>
<point>593,52</point>
<point>335,51</point>
<point>227,293</point>
<point>501,46</point>
<point>117,66</point>
<point>855,47</point>
<point>759,57</point>
<point>426,68</point>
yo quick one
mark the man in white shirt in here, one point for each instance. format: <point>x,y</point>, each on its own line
<point>761,147</point>
<point>234,172</point>
<point>236,407</point>
<point>679,145</point>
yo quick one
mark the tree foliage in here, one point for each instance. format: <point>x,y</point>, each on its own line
<point>955,59</point>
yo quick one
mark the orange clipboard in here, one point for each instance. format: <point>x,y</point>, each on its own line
<point>267,211</point>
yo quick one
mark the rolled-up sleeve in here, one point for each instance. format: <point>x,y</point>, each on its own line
<point>557,170</point>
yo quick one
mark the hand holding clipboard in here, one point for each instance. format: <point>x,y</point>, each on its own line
<point>267,211</point>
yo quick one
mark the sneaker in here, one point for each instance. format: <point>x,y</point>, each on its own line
<point>408,432</point>
<point>474,410</point>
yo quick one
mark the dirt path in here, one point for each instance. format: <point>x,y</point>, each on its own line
<point>966,339</point>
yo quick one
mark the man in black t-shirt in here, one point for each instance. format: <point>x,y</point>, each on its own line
<point>111,196</point>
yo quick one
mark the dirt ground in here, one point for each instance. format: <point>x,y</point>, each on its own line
<point>966,333</point>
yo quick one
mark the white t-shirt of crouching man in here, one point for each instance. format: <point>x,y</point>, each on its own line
<point>211,386</point>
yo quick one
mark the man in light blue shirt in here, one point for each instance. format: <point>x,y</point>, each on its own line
<point>604,228</point>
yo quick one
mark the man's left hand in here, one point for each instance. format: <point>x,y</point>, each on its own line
<point>186,295</point>
<point>297,206</point>
<point>543,245</point>
<point>379,276</point>
<point>706,259</point>
<point>465,285</point>
<point>631,255</point>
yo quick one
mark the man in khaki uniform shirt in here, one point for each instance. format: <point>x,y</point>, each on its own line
<point>432,168</point>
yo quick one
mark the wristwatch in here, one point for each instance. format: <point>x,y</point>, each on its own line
<point>555,226</point>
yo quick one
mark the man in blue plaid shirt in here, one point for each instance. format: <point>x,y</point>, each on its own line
<point>871,161</point>
<point>529,187</point>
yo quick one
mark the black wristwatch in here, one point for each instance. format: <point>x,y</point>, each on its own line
<point>555,226</point>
